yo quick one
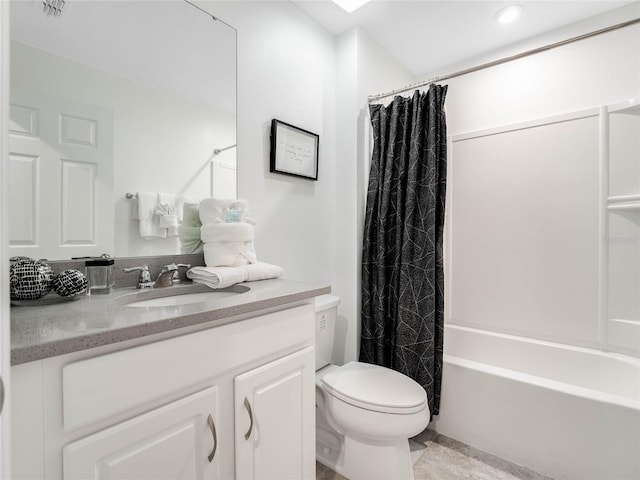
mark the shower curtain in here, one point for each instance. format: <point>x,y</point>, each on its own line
<point>402,261</point>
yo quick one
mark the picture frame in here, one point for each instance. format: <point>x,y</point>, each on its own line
<point>294,151</point>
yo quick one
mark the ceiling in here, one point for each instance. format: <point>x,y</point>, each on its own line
<point>427,35</point>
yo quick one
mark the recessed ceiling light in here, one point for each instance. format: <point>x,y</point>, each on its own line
<point>508,14</point>
<point>350,5</point>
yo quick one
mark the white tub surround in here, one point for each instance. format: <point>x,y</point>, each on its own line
<point>543,278</point>
<point>568,412</point>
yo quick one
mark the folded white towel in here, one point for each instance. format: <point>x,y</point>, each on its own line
<point>229,254</point>
<point>212,209</point>
<point>149,228</point>
<point>167,213</point>
<point>190,239</point>
<point>221,277</point>
<point>227,232</point>
<point>170,222</point>
<point>190,215</point>
<point>134,208</point>
<point>189,229</point>
<point>181,200</point>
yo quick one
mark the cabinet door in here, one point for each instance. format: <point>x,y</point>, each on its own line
<point>275,419</point>
<point>171,442</point>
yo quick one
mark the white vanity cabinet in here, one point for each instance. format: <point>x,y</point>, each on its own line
<point>167,443</point>
<point>174,408</point>
<point>273,404</point>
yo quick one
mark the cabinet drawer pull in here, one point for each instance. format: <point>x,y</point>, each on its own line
<point>248,407</point>
<point>212,427</point>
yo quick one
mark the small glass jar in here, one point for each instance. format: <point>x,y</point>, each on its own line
<point>99,273</point>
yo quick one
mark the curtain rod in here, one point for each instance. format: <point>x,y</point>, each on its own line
<point>373,98</point>
<point>215,19</point>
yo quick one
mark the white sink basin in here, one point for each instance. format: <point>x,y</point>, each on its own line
<point>186,299</point>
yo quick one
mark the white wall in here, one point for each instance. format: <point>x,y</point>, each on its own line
<point>291,69</point>
<point>597,71</point>
<point>553,268</point>
<point>345,227</point>
<point>363,68</point>
<point>285,71</point>
<point>5,324</point>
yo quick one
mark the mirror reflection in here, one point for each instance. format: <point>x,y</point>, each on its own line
<point>116,98</point>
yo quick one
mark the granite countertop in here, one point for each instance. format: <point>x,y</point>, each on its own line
<point>43,331</point>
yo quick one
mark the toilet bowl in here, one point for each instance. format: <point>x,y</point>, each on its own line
<point>365,413</point>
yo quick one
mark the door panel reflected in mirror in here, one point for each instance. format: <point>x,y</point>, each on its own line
<point>111,98</point>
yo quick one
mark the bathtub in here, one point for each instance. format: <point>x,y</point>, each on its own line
<point>564,411</point>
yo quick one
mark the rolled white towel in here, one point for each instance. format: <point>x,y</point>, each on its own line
<point>217,277</point>
<point>262,271</point>
<point>227,232</point>
<point>222,277</point>
<point>229,254</point>
<point>212,209</point>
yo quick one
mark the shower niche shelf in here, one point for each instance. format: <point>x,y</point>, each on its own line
<point>621,248</point>
<point>624,202</point>
<point>630,206</point>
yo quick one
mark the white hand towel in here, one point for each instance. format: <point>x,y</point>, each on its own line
<point>167,213</point>
<point>229,254</point>
<point>212,209</point>
<point>222,277</point>
<point>134,208</point>
<point>170,222</point>
<point>227,232</point>
<point>149,228</point>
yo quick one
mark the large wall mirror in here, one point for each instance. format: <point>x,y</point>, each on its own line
<point>115,98</point>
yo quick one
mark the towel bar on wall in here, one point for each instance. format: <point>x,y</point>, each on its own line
<point>217,151</point>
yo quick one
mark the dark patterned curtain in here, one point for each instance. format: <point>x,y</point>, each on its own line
<point>402,272</point>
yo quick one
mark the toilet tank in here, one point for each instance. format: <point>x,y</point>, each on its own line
<point>326,314</point>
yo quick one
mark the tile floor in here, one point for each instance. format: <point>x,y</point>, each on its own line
<point>436,457</point>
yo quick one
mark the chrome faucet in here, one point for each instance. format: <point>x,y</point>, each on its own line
<point>144,280</point>
<point>166,280</point>
<point>169,275</point>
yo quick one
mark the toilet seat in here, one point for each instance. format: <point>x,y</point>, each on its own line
<point>375,388</point>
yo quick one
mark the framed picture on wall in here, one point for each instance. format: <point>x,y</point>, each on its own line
<point>294,151</point>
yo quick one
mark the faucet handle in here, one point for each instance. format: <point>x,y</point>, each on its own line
<point>176,274</point>
<point>144,280</point>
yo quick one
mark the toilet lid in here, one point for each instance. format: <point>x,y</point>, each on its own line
<point>375,388</point>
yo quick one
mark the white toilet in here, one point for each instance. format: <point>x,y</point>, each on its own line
<point>365,413</point>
